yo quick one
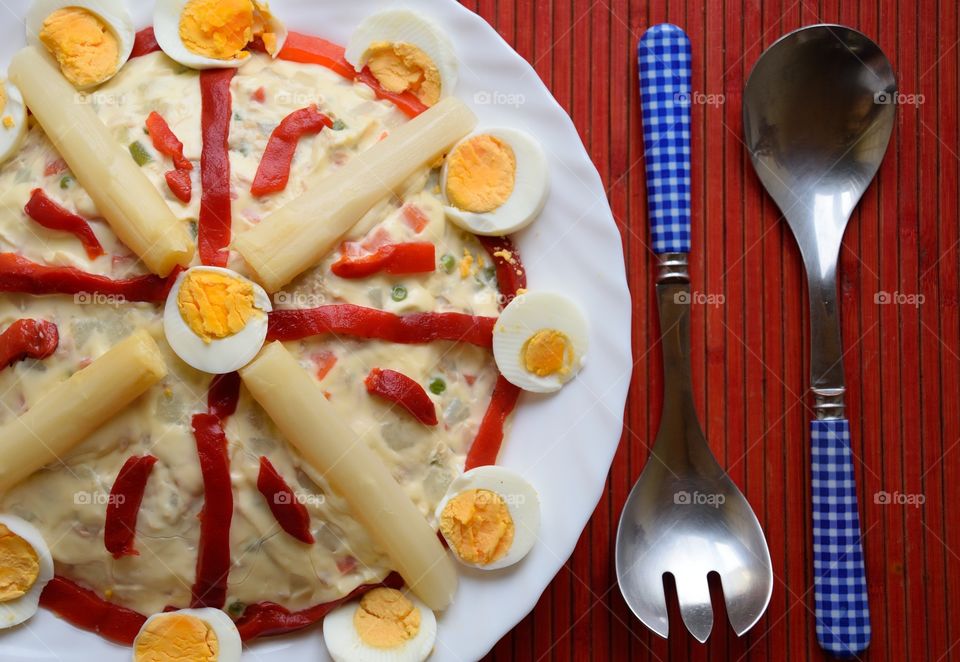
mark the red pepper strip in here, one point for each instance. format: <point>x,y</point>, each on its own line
<point>213,555</point>
<point>314,50</point>
<point>486,445</point>
<point>126,495</point>
<point>274,170</point>
<point>223,395</point>
<point>402,390</point>
<point>52,216</point>
<point>408,258</point>
<point>28,338</point>
<point>406,103</point>
<point>511,276</point>
<point>144,42</point>
<point>167,143</point>
<point>18,274</point>
<point>352,320</point>
<point>85,609</point>
<point>216,112</point>
<point>265,619</point>
<point>291,515</point>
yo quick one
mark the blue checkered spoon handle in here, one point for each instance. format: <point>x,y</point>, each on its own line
<point>840,582</point>
<point>663,55</point>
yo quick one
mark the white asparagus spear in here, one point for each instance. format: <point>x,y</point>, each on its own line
<point>296,404</point>
<point>124,196</point>
<point>70,411</point>
<point>299,234</point>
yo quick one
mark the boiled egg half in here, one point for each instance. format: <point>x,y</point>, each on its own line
<point>540,341</point>
<point>215,319</point>
<point>13,120</point>
<point>385,625</point>
<point>198,635</point>
<point>405,52</point>
<point>90,39</point>
<point>495,182</point>
<point>212,34</point>
<point>490,517</point>
<point>26,567</point>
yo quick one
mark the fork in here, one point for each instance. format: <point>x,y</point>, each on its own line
<point>684,516</point>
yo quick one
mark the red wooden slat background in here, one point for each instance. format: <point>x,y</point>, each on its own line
<point>750,351</point>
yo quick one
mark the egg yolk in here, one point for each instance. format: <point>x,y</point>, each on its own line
<point>176,638</point>
<point>478,526</point>
<point>402,67</point>
<point>19,565</point>
<point>221,29</point>
<point>386,618</point>
<point>88,52</point>
<point>481,174</point>
<point>547,352</point>
<point>215,305</point>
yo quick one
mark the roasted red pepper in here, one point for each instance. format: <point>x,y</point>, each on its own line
<point>85,609</point>
<point>314,50</point>
<point>351,320</point>
<point>52,216</point>
<point>126,495</point>
<point>398,259</point>
<point>511,276</point>
<point>400,389</point>
<point>215,203</point>
<point>167,143</point>
<point>213,555</point>
<point>18,274</point>
<point>274,170</point>
<point>144,42</point>
<point>28,338</point>
<point>291,515</point>
<point>486,445</point>
<point>266,619</point>
<point>224,394</point>
<point>406,103</point>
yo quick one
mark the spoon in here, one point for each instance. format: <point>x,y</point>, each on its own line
<point>684,516</point>
<point>817,117</point>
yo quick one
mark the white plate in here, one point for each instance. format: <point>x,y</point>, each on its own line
<point>564,443</point>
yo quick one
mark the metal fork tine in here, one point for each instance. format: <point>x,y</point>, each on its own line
<point>693,594</point>
<point>743,613</point>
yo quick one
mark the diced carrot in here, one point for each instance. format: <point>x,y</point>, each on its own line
<point>324,361</point>
<point>54,167</point>
<point>415,218</point>
<point>260,95</point>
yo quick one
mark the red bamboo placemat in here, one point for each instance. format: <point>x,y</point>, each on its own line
<point>750,354</point>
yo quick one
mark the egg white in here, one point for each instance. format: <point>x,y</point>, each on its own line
<point>228,637</point>
<point>345,645</point>
<point>521,319</point>
<point>166,28</point>
<point>113,13</point>
<point>403,26</point>
<point>522,502</point>
<point>21,609</point>
<point>530,191</point>
<point>11,139</point>
<point>219,355</point>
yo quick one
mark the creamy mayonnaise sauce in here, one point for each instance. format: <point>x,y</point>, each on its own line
<point>67,500</point>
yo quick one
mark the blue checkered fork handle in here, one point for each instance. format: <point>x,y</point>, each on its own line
<point>663,55</point>
<point>840,583</point>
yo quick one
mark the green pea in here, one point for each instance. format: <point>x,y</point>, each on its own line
<point>438,386</point>
<point>399,293</point>
<point>236,609</point>
<point>65,181</point>
<point>140,153</point>
<point>448,262</point>
<point>338,125</point>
